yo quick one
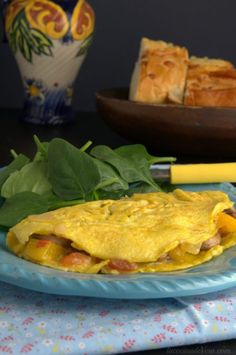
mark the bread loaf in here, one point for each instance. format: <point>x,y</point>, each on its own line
<point>160,73</point>
<point>210,82</point>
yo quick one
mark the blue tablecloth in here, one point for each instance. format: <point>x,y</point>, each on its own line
<point>37,323</point>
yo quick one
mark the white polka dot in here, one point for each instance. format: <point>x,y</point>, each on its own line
<point>119,330</point>
<point>69,326</point>
<point>42,324</point>
<point>136,327</point>
<point>205,322</point>
<point>28,335</point>
<point>47,342</point>
<point>136,321</point>
<point>81,345</point>
<point>4,324</point>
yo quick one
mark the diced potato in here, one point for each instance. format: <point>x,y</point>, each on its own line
<point>179,255</point>
<point>191,248</point>
<point>43,250</point>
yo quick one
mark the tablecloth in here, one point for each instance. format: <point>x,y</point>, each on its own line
<point>38,323</point>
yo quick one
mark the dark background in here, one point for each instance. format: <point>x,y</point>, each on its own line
<point>205,27</point>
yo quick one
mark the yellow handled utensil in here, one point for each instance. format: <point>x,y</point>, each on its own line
<point>195,173</point>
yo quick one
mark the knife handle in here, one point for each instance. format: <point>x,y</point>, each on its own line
<point>202,173</point>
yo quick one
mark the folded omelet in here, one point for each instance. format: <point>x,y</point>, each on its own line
<point>150,232</point>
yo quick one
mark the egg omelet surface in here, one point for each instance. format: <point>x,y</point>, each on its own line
<point>145,233</point>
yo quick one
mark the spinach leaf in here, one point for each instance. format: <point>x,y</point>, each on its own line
<point>107,195</point>
<point>55,202</point>
<point>132,168</point>
<point>16,164</point>
<point>42,149</point>
<point>139,151</point>
<point>72,173</point>
<point>167,186</point>
<point>140,187</point>
<point>110,180</point>
<point>32,177</point>
<point>20,206</point>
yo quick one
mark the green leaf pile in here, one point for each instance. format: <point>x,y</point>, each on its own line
<point>61,174</point>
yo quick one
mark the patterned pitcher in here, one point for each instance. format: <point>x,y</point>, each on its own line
<point>50,40</point>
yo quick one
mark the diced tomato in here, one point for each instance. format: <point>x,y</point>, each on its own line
<point>122,265</point>
<point>42,243</point>
<point>75,258</point>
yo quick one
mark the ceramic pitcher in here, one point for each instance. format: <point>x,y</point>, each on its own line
<point>49,39</point>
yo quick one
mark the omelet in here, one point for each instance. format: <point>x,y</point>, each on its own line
<point>153,232</point>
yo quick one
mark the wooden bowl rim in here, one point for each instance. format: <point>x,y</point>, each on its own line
<point>110,94</point>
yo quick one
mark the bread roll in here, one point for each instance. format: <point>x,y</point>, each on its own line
<point>210,82</point>
<point>198,66</point>
<point>160,73</point>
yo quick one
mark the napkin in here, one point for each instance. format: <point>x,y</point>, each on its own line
<point>37,323</point>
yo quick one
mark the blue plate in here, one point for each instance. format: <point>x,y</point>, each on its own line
<point>218,274</point>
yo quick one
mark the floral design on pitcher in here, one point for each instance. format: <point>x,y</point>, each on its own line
<point>47,17</point>
<point>35,90</point>
<point>82,25</point>
<point>23,37</point>
<point>85,45</point>
<point>12,11</point>
<point>68,96</point>
<point>82,21</point>
<point>33,25</point>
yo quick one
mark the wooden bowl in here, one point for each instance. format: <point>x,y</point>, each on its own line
<point>171,129</point>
